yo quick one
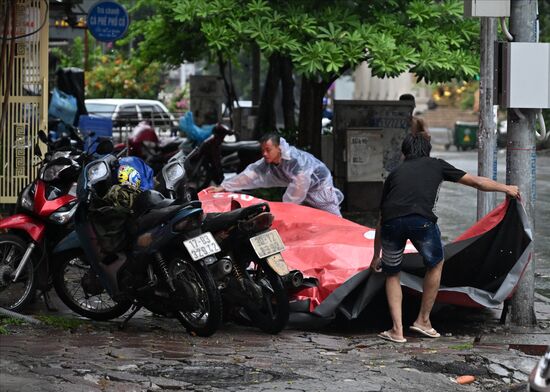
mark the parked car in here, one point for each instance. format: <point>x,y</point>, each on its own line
<point>129,112</point>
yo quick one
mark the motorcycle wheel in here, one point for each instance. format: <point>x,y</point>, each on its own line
<point>69,273</point>
<point>206,317</point>
<point>15,296</point>
<point>271,315</point>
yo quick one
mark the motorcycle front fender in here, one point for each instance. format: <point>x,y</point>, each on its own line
<point>33,227</point>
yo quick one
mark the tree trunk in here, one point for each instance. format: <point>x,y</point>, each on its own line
<point>221,66</point>
<point>255,74</point>
<point>311,113</point>
<point>287,82</point>
<point>266,113</point>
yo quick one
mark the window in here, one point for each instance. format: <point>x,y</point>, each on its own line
<point>127,115</point>
<point>146,112</point>
<point>100,109</point>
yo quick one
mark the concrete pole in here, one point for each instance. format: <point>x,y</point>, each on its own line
<point>486,138</point>
<point>521,160</point>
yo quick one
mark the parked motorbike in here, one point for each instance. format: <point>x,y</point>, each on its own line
<point>207,163</point>
<point>251,274</point>
<point>145,144</point>
<point>154,257</point>
<point>42,218</point>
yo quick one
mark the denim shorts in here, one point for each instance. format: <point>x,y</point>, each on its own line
<point>424,235</point>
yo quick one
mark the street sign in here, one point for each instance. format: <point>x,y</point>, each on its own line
<point>107,21</point>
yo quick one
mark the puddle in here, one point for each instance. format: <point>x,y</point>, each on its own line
<point>217,374</point>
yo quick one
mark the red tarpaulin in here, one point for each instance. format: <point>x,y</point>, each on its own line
<point>482,266</point>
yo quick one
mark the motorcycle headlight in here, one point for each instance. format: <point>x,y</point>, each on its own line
<point>97,172</point>
<point>64,214</point>
<point>172,172</point>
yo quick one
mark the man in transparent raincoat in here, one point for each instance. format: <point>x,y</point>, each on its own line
<point>307,180</point>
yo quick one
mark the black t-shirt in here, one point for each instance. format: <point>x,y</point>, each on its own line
<point>413,187</point>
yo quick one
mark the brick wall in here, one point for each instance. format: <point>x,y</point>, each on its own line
<point>445,117</point>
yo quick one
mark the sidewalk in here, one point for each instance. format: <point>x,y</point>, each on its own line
<point>154,354</point>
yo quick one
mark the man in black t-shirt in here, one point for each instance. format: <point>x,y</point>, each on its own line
<point>407,213</point>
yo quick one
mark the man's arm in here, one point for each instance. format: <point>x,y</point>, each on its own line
<point>298,188</point>
<point>487,185</point>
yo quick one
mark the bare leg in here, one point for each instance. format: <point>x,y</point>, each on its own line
<point>395,299</point>
<point>430,288</point>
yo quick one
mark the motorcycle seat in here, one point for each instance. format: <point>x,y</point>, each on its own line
<point>157,216</point>
<point>251,145</point>
<point>216,221</point>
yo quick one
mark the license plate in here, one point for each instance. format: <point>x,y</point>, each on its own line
<point>202,246</point>
<point>267,244</point>
<point>277,263</point>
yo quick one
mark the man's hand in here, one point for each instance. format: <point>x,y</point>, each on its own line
<point>214,189</point>
<point>375,265</point>
<point>512,191</point>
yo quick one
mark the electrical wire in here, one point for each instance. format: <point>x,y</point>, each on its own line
<point>542,135</point>
<point>3,38</point>
<point>509,36</point>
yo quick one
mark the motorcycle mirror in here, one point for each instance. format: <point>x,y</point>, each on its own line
<point>104,147</point>
<point>42,136</point>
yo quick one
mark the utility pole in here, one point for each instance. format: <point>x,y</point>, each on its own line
<point>521,161</point>
<point>486,138</point>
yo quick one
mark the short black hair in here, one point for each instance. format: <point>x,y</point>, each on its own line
<point>407,97</point>
<point>274,137</point>
<point>416,146</point>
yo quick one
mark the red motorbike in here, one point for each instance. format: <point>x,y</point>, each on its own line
<point>42,218</point>
<point>145,144</point>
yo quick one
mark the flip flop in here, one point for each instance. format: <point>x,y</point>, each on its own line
<point>386,336</point>
<point>431,333</point>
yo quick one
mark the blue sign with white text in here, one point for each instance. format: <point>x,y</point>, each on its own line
<point>107,21</point>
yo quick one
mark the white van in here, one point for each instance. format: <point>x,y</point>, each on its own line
<point>127,113</point>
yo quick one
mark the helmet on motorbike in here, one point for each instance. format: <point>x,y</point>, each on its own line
<point>127,175</point>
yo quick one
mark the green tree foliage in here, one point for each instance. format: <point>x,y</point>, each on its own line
<point>73,57</point>
<point>113,74</point>
<point>116,77</point>
<point>323,39</point>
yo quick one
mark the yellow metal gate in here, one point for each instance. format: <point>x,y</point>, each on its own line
<point>24,85</point>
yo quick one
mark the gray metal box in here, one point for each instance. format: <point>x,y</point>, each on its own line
<point>486,8</point>
<point>524,75</point>
<point>367,146</point>
<point>206,98</point>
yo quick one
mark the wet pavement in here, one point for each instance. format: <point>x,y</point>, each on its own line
<point>156,354</point>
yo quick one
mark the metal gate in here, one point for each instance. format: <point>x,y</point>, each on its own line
<point>23,91</point>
